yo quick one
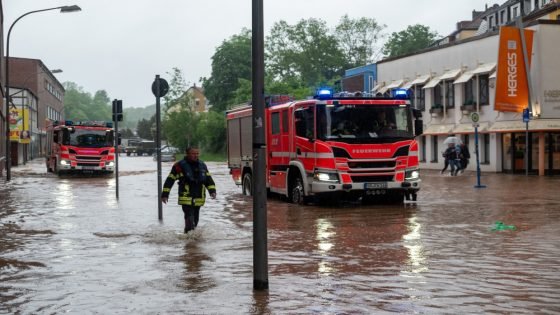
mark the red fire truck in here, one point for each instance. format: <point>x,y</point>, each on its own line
<point>81,147</point>
<point>333,146</point>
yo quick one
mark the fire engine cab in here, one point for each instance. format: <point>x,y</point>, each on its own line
<point>80,147</point>
<point>334,145</point>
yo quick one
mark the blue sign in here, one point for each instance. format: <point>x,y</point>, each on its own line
<point>526,115</point>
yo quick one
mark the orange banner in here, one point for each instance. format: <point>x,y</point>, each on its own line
<point>512,89</point>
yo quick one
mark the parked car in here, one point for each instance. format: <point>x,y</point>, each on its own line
<point>167,154</point>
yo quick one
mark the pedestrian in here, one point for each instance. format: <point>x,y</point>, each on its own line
<point>465,155</point>
<point>445,155</point>
<point>194,179</point>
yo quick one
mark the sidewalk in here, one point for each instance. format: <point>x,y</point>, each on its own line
<point>31,167</point>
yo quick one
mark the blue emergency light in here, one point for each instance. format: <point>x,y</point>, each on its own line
<point>324,93</point>
<point>402,94</point>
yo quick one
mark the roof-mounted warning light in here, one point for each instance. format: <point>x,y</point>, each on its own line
<point>402,94</point>
<point>324,93</point>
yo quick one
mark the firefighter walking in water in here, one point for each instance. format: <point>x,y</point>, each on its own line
<point>194,178</point>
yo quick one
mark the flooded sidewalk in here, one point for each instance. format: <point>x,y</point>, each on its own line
<point>67,245</point>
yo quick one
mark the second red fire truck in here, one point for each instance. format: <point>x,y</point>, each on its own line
<point>80,147</point>
<point>332,146</point>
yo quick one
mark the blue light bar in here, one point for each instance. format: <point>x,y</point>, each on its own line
<point>400,93</point>
<point>324,93</point>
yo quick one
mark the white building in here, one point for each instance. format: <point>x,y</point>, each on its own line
<point>452,80</point>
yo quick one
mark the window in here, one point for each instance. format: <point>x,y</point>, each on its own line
<point>419,97</point>
<point>485,158</point>
<point>435,152</point>
<point>491,22</point>
<point>438,96</point>
<point>275,123</point>
<point>514,12</point>
<point>304,119</point>
<point>503,17</point>
<point>285,125</point>
<point>423,149</point>
<point>468,89</point>
<point>484,89</point>
<point>449,93</point>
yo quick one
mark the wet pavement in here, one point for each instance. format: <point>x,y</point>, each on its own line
<point>67,245</point>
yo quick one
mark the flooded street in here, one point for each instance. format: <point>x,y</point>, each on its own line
<point>67,245</point>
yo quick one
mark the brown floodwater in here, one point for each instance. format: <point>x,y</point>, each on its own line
<point>67,245</point>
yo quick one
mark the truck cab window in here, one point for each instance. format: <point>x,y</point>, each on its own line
<point>305,122</point>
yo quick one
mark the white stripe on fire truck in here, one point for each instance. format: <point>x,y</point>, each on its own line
<point>304,155</point>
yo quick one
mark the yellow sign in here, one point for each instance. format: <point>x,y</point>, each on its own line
<point>19,125</point>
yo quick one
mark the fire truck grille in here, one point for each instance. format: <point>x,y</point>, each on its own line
<point>89,158</point>
<point>366,179</point>
<point>371,164</point>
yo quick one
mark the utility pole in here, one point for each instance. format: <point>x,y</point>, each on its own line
<point>260,252</point>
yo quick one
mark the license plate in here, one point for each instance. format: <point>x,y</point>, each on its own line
<point>375,185</point>
<point>88,167</point>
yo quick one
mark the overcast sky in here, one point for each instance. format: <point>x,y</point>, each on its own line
<point>120,45</point>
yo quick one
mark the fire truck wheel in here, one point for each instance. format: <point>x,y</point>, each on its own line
<point>297,195</point>
<point>247,184</point>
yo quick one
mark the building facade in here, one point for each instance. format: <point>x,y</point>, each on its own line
<point>451,81</point>
<point>34,89</point>
<point>360,78</point>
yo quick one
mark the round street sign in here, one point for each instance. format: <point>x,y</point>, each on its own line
<point>475,117</point>
<point>163,87</point>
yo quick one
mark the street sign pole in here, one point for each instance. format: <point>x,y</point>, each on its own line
<point>160,87</point>
<point>475,117</point>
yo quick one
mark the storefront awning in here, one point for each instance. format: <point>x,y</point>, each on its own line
<point>465,77</point>
<point>433,82</point>
<point>422,79</point>
<point>377,87</point>
<point>468,128</point>
<point>451,74</point>
<point>395,84</point>
<point>493,75</point>
<point>485,68</point>
<point>439,129</point>
<point>518,125</point>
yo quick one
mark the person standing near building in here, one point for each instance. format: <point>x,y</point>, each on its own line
<point>194,179</point>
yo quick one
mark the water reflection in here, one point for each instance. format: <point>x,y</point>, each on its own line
<point>413,243</point>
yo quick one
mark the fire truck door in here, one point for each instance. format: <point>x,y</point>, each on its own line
<point>275,153</point>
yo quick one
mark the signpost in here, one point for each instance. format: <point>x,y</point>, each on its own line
<point>117,116</point>
<point>160,87</point>
<point>475,118</point>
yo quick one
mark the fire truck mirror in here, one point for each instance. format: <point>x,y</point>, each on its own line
<point>418,127</point>
<point>65,136</point>
<point>109,136</point>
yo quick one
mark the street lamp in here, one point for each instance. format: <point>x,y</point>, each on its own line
<point>63,9</point>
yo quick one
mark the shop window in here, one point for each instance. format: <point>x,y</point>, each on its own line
<point>485,148</point>
<point>419,97</point>
<point>435,152</point>
<point>449,93</point>
<point>484,89</point>
<point>438,96</point>
<point>423,149</point>
<point>468,92</point>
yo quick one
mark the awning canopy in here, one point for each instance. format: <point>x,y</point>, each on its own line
<point>518,125</point>
<point>493,75</point>
<point>395,84</point>
<point>377,87</point>
<point>465,77</point>
<point>451,74</point>
<point>439,129</point>
<point>468,128</point>
<point>433,82</point>
<point>485,68</point>
<point>422,79</point>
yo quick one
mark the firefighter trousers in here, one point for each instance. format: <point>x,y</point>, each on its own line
<point>191,217</point>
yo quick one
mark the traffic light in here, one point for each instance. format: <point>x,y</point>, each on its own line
<point>117,110</point>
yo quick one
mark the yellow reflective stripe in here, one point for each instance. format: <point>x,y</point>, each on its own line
<point>166,189</point>
<point>212,187</point>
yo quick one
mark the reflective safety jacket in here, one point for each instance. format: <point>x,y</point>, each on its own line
<point>194,178</point>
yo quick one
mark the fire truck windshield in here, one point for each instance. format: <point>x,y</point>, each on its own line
<point>363,123</point>
<point>89,138</point>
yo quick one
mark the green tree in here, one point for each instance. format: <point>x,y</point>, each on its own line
<point>305,52</point>
<point>181,128</point>
<point>414,38</point>
<point>80,105</point>
<point>359,40</point>
<point>230,62</point>
<point>144,128</point>
<point>177,88</point>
